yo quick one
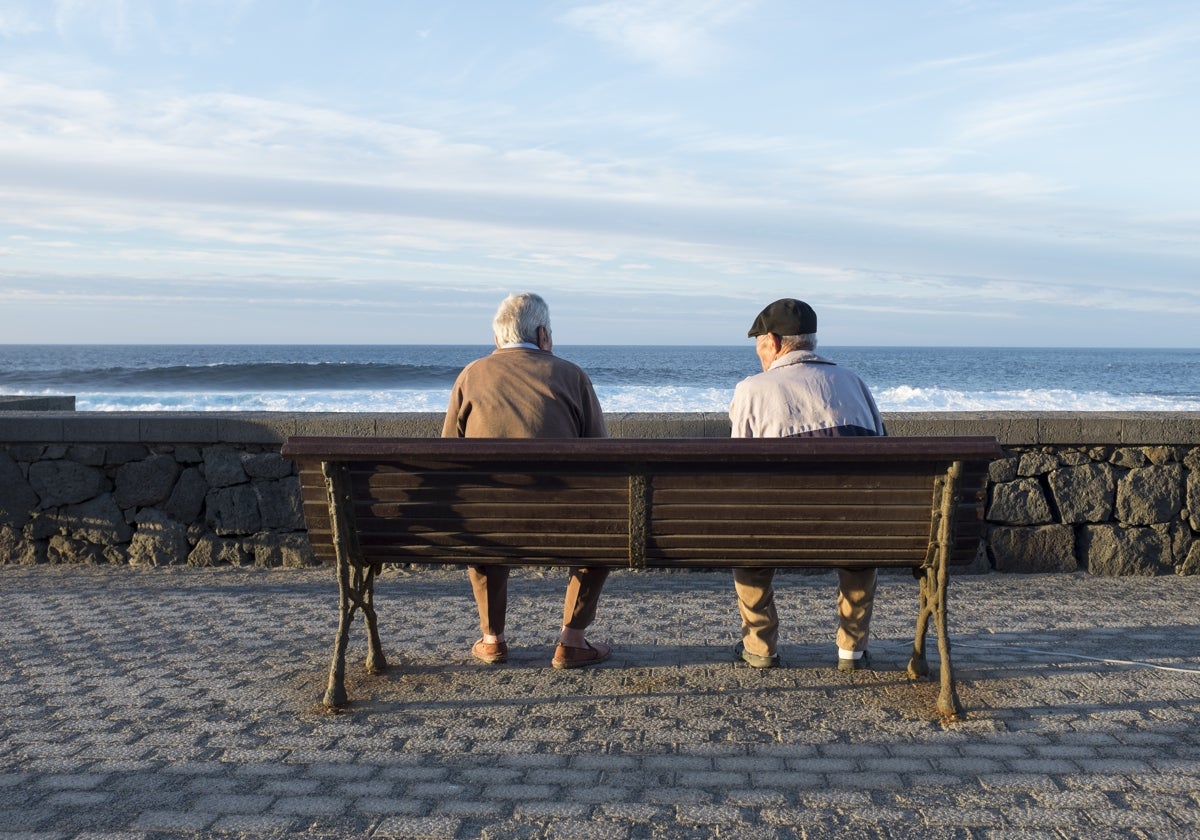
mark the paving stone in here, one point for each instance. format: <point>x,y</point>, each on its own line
<point>174,821</point>
<point>603,794</point>
<point>709,814</point>
<point>755,798</point>
<point>308,805</point>
<point>152,703</point>
<point>429,828</point>
<point>548,810</point>
<point>520,793</point>
<point>78,799</point>
<point>233,803</point>
<point>580,830</point>
<point>473,808</point>
<point>255,825</point>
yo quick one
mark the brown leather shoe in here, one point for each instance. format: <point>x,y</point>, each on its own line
<point>489,652</point>
<point>574,657</point>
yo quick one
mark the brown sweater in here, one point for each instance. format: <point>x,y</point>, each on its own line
<point>522,393</point>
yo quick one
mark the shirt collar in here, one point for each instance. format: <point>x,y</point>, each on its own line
<point>799,357</point>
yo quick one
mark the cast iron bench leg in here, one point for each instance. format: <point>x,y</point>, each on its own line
<point>356,590</point>
<point>933,605</point>
<point>356,584</point>
<point>918,666</point>
<point>935,579</point>
<point>335,693</point>
<point>947,703</point>
<point>376,662</point>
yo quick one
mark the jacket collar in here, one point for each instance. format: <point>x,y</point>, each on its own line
<point>798,357</point>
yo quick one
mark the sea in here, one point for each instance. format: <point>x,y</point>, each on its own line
<point>418,378</point>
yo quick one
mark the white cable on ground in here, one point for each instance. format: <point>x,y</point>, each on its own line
<point>1081,656</point>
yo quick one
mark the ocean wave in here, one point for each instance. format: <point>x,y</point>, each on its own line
<point>627,379</point>
<point>373,401</point>
<point>905,398</point>
<point>233,377</point>
<point>619,400</point>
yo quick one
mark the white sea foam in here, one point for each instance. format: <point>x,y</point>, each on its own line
<point>905,398</point>
<point>315,401</point>
<point>630,399</point>
<point>640,398</point>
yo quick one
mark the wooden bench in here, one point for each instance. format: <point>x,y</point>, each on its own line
<point>696,503</point>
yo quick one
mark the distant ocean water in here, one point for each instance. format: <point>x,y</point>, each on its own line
<point>627,378</point>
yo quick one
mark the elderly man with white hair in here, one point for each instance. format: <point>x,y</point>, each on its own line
<point>522,390</point>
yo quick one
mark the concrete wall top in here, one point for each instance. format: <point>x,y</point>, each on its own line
<point>18,403</point>
<point>1011,428</point>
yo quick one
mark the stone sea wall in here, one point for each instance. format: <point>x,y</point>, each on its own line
<point>1107,493</point>
<point>1111,510</point>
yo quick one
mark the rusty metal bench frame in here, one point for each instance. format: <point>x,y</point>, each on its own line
<point>914,502</point>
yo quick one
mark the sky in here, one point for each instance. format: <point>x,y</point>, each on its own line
<point>946,172</point>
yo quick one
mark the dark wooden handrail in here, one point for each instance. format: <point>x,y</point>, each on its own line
<point>650,450</point>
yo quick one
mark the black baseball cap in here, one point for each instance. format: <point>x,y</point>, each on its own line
<point>785,317</point>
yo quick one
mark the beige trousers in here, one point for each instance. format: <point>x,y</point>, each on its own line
<point>490,585</point>
<point>760,623</point>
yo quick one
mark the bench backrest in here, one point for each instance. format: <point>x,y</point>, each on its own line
<point>695,502</point>
<point>685,503</point>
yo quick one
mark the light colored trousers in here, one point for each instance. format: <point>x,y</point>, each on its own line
<point>490,585</point>
<point>760,623</point>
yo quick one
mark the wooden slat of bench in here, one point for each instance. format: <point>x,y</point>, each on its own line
<point>824,556</point>
<point>504,531</point>
<point>442,451</point>
<point>549,501</point>
<point>799,476</point>
<point>382,477</point>
<point>513,534</point>
<point>385,549</point>
<point>614,490</point>
<point>518,553</point>
<point>467,555</point>
<point>433,512</point>
<point>755,483</point>
<point>781,519</point>
<point>548,553</point>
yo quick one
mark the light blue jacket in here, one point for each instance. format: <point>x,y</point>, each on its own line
<point>802,394</point>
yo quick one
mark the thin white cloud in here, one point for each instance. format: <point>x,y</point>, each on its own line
<point>681,37</point>
<point>226,135</point>
<point>1041,112</point>
<point>1052,74</point>
<point>1041,93</point>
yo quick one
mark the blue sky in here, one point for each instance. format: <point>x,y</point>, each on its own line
<point>943,172</point>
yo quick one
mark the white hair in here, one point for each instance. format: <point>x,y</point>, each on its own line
<point>518,318</point>
<point>808,342</point>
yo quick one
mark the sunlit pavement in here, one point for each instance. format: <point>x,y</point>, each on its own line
<point>186,702</point>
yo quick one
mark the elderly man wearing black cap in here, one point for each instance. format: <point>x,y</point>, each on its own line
<point>800,394</point>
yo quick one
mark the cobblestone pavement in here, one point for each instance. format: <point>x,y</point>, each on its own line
<point>154,703</point>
